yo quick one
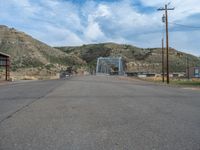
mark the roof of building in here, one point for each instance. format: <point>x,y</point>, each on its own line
<point>4,55</point>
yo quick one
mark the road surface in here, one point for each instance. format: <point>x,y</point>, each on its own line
<point>98,113</point>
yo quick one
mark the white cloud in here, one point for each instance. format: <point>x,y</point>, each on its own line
<point>186,41</point>
<point>183,9</point>
<point>62,35</point>
<point>102,11</point>
<point>59,22</point>
<point>93,31</point>
<point>154,3</point>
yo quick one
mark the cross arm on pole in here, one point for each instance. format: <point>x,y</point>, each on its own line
<point>162,9</point>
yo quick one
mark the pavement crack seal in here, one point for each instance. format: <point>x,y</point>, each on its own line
<point>27,105</point>
<point>21,108</point>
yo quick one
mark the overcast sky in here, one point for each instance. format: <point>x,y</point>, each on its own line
<point>77,22</point>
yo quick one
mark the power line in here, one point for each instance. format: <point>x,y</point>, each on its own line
<point>186,26</point>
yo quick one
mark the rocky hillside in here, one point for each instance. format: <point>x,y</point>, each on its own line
<point>137,59</point>
<point>27,52</point>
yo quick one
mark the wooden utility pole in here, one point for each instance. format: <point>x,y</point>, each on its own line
<point>188,67</point>
<point>163,63</point>
<point>7,65</point>
<point>167,38</point>
<point>6,78</point>
<point>167,43</point>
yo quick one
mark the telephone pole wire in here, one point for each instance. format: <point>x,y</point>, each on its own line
<point>167,37</point>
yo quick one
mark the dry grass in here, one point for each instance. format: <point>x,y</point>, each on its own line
<point>194,82</point>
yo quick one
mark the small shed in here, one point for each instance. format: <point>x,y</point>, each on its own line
<point>5,63</point>
<point>193,72</point>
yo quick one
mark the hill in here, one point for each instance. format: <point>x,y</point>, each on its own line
<point>35,57</point>
<point>137,59</point>
<point>27,52</point>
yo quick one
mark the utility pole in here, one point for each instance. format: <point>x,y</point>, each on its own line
<point>6,69</point>
<point>163,64</point>
<point>167,37</point>
<point>188,67</point>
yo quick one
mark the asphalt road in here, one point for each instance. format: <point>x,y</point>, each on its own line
<point>98,113</point>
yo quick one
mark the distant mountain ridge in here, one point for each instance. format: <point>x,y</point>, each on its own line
<point>137,59</point>
<point>27,52</point>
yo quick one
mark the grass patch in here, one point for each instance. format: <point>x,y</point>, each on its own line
<point>180,82</point>
<point>195,83</point>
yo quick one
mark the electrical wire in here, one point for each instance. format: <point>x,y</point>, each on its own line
<point>186,26</point>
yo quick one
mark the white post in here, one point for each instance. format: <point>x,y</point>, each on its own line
<point>120,70</point>
<point>97,67</point>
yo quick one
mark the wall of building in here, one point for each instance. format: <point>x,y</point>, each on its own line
<point>194,72</point>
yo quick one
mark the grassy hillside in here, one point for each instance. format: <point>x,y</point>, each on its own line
<point>28,52</point>
<point>33,56</point>
<point>137,59</point>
